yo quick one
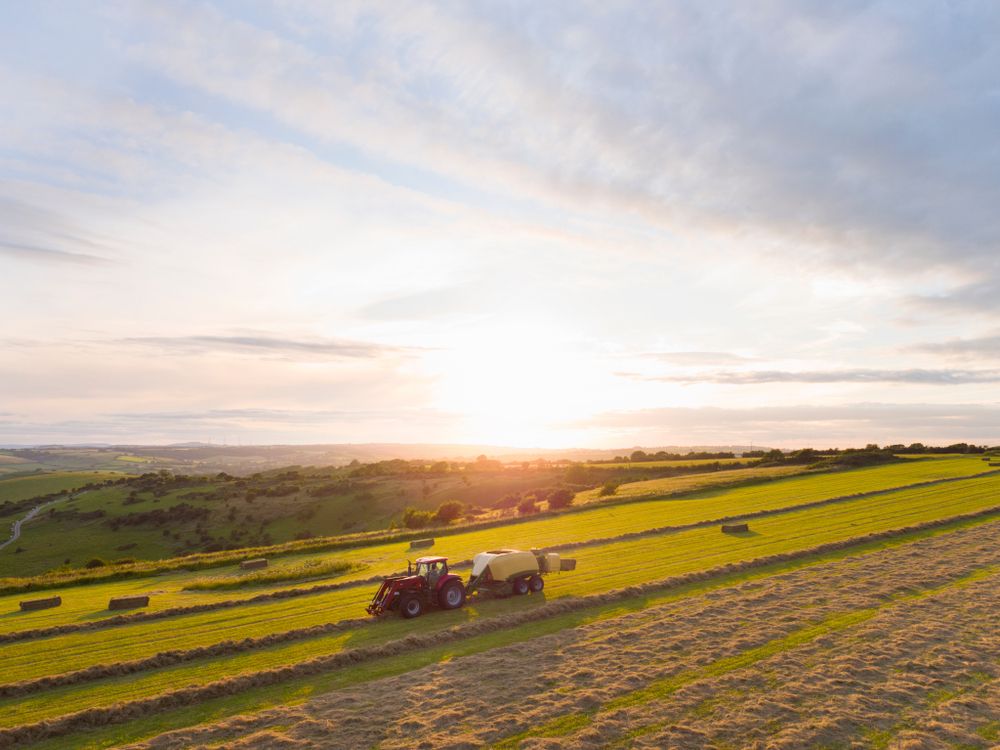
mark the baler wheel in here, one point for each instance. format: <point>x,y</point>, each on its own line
<point>411,607</point>
<point>536,584</point>
<point>519,586</point>
<point>452,596</point>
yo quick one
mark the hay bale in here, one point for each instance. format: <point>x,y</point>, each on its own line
<point>735,528</point>
<point>567,563</point>
<point>33,604</point>
<point>128,602</point>
<point>420,543</point>
<point>253,564</point>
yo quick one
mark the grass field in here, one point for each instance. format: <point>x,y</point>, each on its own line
<point>602,566</point>
<point>669,464</point>
<point>589,523</point>
<point>23,488</point>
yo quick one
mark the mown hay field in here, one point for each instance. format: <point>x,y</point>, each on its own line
<point>589,523</point>
<point>602,567</point>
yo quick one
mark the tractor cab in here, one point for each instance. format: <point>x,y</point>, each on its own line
<point>431,569</point>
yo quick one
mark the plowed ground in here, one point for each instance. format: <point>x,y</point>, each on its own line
<point>895,648</point>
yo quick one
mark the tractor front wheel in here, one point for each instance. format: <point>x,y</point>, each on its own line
<point>519,586</point>
<point>411,607</point>
<point>536,584</point>
<point>452,596</point>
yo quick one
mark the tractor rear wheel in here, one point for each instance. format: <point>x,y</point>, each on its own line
<point>411,607</point>
<point>519,586</point>
<point>452,596</point>
<point>536,584</point>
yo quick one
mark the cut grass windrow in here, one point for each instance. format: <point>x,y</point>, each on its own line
<point>773,508</point>
<point>68,723</point>
<point>662,689</point>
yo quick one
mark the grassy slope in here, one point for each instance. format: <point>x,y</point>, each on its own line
<point>601,568</point>
<point>298,690</point>
<point>89,601</point>
<point>670,463</point>
<point>22,488</point>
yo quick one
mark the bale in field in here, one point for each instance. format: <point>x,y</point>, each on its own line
<point>32,604</point>
<point>128,602</point>
<point>734,528</point>
<point>253,564</point>
<point>420,543</point>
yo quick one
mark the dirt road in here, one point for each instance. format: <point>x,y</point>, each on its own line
<point>897,648</point>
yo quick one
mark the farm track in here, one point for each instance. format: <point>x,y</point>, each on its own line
<point>233,685</point>
<point>130,619</point>
<point>895,645</point>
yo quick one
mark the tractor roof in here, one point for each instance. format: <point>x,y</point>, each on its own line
<point>431,559</point>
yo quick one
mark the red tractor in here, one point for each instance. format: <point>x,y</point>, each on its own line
<point>427,585</point>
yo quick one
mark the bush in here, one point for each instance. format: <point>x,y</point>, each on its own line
<point>95,562</point>
<point>417,519</point>
<point>511,500</point>
<point>527,506</point>
<point>561,498</point>
<point>609,488</point>
<point>449,511</point>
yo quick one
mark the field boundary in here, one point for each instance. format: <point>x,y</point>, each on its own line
<point>54,630</point>
<point>18,735</point>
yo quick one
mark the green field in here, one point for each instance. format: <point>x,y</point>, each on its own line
<point>669,463</point>
<point>24,488</point>
<point>589,523</point>
<point>602,566</point>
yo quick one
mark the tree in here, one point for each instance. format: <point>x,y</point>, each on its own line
<point>527,506</point>
<point>609,488</point>
<point>561,498</point>
<point>449,511</point>
<point>416,519</point>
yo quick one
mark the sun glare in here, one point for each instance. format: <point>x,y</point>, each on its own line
<point>515,387</point>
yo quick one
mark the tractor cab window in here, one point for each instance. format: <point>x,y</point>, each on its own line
<point>432,570</point>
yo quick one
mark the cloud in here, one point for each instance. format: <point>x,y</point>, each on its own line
<point>923,377</point>
<point>983,347</point>
<point>979,297</point>
<point>820,426</point>
<point>697,358</point>
<point>34,234</point>
<point>44,254</point>
<point>269,344</point>
<point>691,122</point>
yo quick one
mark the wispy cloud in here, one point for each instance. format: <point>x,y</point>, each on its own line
<point>842,424</point>
<point>695,359</point>
<point>923,377</point>
<point>49,255</point>
<point>268,344</point>
<point>983,347</point>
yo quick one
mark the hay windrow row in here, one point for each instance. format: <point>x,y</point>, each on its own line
<point>759,513</point>
<point>109,622</point>
<point>121,712</point>
<point>54,630</point>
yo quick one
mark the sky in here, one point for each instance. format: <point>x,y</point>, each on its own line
<point>561,224</point>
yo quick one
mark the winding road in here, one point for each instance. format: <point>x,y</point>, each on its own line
<point>15,527</point>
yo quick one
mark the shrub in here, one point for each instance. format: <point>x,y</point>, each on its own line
<point>449,511</point>
<point>562,498</point>
<point>609,488</point>
<point>417,519</point>
<point>95,562</point>
<point>527,506</point>
<point>511,500</point>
